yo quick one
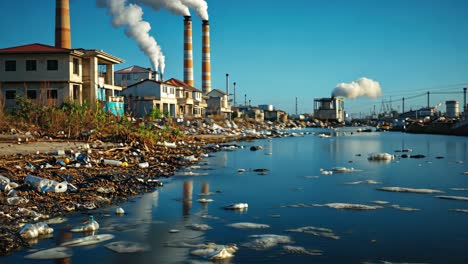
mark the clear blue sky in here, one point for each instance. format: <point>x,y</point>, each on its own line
<point>279,50</point>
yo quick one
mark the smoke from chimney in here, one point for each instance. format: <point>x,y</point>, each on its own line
<point>180,7</point>
<point>62,24</point>
<point>360,87</point>
<point>130,16</point>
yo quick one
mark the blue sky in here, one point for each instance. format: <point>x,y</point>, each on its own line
<point>279,50</point>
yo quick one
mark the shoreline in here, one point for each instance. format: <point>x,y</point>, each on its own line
<point>92,184</point>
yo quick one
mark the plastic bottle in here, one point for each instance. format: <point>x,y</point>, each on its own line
<point>116,163</point>
<point>92,225</point>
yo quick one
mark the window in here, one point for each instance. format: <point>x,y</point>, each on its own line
<point>10,65</point>
<point>52,94</point>
<point>164,89</point>
<point>31,65</point>
<point>76,66</point>
<point>31,94</point>
<point>129,76</point>
<point>10,95</point>
<point>52,65</point>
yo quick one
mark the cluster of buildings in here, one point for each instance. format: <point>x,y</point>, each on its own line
<point>52,75</point>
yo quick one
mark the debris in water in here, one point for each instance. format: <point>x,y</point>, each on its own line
<point>381,157</point>
<point>380,202</point>
<point>350,206</point>
<point>205,200</point>
<point>215,252</point>
<point>29,231</point>
<point>237,206</point>
<point>240,170</point>
<point>56,220</point>
<point>302,250</point>
<point>344,170</point>
<point>119,211</point>
<point>325,172</point>
<point>316,231</point>
<point>51,253</point>
<point>247,225</point>
<point>91,225</point>
<point>263,242</point>
<point>408,209</point>
<point>459,189</point>
<point>85,241</point>
<point>199,227</point>
<point>460,198</point>
<point>127,247</point>
<point>459,210</point>
<point>363,182</point>
<point>410,190</point>
<point>172,231</point>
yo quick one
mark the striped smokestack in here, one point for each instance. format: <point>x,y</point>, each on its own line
<point>206,58</point>
<point>188,51</point>
<point>62,24</point>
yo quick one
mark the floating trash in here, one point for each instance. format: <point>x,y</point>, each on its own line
<point>215,252</point>
<point>459,198</point>
<point>91,225</point>
<point>29,231</point>
<point>381,157</point>
<point>316,231</point>
<point>88,240</point>
<point>363,182</point>
<point>350,206</point>
<point>190,173</point>
<point>263,242</point>
<point>172,231</point>
<point>459,210</point>
<point>344,170</point>
<point>199,227</point>
<point>237,206</point>
<point>127,247</point>
<point>205,200</point>
<point>105,190</point>
<point>325,172</point>
<point>459,189</point>
<point>240,170</point>
<point>30,213</point>
<point>247,225</point>
<point>51,253</point>
<point>408,209</point>
<point>119,211</point>
<point>301,250</point>
<point>409,190</point>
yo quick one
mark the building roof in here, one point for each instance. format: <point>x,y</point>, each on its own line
<point>35,48</point>
<point>218,91</point>
<point>180,83</point>
<point>134,69</point>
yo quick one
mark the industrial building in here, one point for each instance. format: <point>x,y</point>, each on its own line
<point>329,109</point>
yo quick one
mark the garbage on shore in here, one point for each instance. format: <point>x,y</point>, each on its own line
<point>30,231</point>
<point>247,225</point>
<point>409,190</point>
<point>44,185</point>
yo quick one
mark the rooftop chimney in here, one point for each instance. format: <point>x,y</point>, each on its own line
<point>62,24</point>
<point>188,54</point>
<point>206,58</point>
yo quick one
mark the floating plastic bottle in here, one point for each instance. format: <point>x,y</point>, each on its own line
<point>92,225</point>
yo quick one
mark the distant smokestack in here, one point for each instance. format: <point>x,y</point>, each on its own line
<point>188,51</point>
<point>62,24</point>
<point>206,58</point>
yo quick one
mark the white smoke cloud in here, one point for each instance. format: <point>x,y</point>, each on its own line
<point>180,7</point>
<point>130,16</point>
<point>360,87</point>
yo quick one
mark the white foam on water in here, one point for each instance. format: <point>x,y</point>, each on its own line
<point>248,225</point>
<point>409,190</point>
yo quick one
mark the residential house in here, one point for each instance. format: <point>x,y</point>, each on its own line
<point>190,100</point>
<point>218,103</point>
<point>275,116</point>
<point>133,74</point>
<point>54,75</point>
<point>256,113</point>
<point>143,96</point>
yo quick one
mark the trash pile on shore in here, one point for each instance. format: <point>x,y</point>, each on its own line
<point>38,186</point>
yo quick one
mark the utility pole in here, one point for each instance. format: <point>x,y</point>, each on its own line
<point>296,105</point>
<point>234,93</point>
<point>227,85</point>
<point>428,99</point>
<point>464,104</point>
<point>245,100</point>
<point>403,106</point>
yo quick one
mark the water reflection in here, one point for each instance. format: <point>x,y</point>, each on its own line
<point>187,197</point>
<point>64,235</point>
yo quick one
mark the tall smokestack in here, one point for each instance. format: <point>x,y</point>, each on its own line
<point>62,24</point>
<point>206,58</point>
<point>188,51</point>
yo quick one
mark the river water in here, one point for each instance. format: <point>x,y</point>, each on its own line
<point>288,197</point>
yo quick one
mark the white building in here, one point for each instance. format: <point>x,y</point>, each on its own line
<point>329,109</point>
<point>133,74</point>
<point>53,75</point>
<point>218,103</point>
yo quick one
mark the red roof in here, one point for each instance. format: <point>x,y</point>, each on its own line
<point>34,48</point>
<point>134,69</point>
<point>180,83</point>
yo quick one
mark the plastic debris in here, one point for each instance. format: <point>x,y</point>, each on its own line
<point>127,247</point>
<point>240,170</point>
<point>115,163</point>
<point>381,157</point>
<point>459,198</point>
<point>45,185</point>
<point>215,252</point>
<point>344,170</point>
<point>266,241</point>
<point>408,209</point>
<point>119,211</point>
<point>88,240</point>
<point>205,200</point>
<point>363,182</point>
<point>247,225</point>
<point>301,250</point>
<point>172,231</point>
<point>29,231</point>
<point>380,202</point>
<point>199,227</point>
<point>30,213</point>
<point>349,206</point>
<point>16,200</point>
<point>91,225</point>
<point>143,165</point>
<point>51,253</point>
<point>56,220</point>
<point>316,231</point>
<point>237,206</point>
<point>325,172</point>
<point>410,190</point>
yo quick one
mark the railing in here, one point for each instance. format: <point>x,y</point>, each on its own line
<point>115,99</point>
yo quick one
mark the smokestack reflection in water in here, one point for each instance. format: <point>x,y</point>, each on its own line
<point>64,235</point>
<point>187,197</point>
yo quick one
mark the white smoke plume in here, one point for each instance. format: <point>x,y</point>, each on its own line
<point>130,16</point>
<point>360,87</point>
<point>180,7</point>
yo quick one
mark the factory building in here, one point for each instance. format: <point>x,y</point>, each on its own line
<point>329,109</point>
